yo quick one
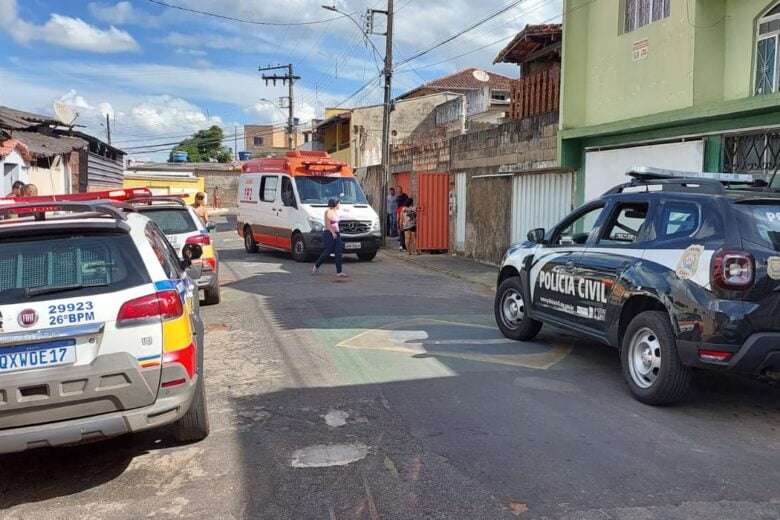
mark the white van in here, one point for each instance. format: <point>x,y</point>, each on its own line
<point>282,203</point>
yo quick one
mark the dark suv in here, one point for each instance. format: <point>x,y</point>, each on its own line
<point>675,272</point>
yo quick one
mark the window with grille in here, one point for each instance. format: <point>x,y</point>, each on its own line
<point>642,12</point>
<point>258,141</point>
<point>755,152</point>
<point>766,81</point>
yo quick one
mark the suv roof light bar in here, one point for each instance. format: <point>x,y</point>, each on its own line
<point>103,207</point>
<point>648,173</point>
<point>158,198</point>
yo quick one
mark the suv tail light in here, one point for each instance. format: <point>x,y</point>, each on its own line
<point>165,305</point>
<point>201,240</point>
<point>733,270</point>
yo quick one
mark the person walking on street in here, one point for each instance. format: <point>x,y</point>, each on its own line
<point>410,227</point>
<point>16,190</point>
<point>392,208</point>
<point>200,207</point>
<point>331,238</point>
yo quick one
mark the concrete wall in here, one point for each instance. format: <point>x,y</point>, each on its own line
<point>13,167</point>
<point>52,180</point>
<point>702,54</point>
<point>226,181</point>
<point>525,144</point>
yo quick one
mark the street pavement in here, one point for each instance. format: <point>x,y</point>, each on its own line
<point>393,396</point>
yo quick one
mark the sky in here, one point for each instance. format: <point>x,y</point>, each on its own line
<point>162,73</point>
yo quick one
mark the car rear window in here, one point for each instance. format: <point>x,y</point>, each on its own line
<point>767,219</point>
<point>67,266</point>
<point>172,221</point>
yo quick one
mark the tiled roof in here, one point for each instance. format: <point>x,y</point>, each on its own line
<point>465,80</point>
<point>9,145</point>
<point>527,41</point>
<point>18,119</point>
<point>44,145</point>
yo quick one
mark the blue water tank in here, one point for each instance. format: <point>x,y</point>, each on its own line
<point>244,156</point>
<point>179,156</point>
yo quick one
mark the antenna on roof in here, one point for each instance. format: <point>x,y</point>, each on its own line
<point>481,75</point>
<point>64,113</point>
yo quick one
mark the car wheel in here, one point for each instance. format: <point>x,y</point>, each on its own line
<point>510,311</point>
<point>249,241</point>
<point>367,257</point>
<point>194,426</point>
<point>651,365</point>
<point>212,296</point>
<point>299,251</point>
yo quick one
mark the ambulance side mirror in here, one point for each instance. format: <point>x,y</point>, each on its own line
<point>536,236</point>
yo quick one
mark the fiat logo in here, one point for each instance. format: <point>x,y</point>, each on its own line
<point>28,318</point>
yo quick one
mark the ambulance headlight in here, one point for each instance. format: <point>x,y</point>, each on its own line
<point>375,225</point>
<point>316,225</point>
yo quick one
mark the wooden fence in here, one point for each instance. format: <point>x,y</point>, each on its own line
<point>536,93</point>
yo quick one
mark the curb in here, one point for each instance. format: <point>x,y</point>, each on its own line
<point>447,272</point>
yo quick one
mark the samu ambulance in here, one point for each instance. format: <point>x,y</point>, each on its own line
<point>282,203</point>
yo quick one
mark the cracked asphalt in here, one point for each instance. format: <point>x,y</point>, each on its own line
<point>393,396</point>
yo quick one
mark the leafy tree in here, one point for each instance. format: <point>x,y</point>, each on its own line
<point>205,146</point>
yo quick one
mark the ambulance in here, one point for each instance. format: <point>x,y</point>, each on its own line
<point>282,203</point>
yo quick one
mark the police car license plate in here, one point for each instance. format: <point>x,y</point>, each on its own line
<point>37,355</point>
<point>351,245</point>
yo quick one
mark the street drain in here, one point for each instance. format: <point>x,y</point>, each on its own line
<point>321,456</point>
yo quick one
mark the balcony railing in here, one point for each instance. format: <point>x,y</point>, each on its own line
<point>535,94</point>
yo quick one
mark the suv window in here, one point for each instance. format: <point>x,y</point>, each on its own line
<point>678,219</point>
<point>577,230</point>
<point>165,255</point>
<point>625,225</point>
<point>172,221</point>
<point>268,188</point>
<point>92,263</point>
<point>767,219</point>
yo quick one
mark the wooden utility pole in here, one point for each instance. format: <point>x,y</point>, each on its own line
<point>289,78</point>
<point>388,73</point>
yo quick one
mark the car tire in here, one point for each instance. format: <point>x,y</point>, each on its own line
<point>510,311</point>
<point>194,425</point>
<point>651,366</point>
<point>212,296</point>
<point>300,252</point>
<point>249,241</point>
<point>367,257</point>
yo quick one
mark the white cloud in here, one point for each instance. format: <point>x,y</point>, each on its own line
<point>191,52</point>
<point>64,31</point>
<point>122,13</point>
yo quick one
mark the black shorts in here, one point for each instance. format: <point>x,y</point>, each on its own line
<point>413,229</point>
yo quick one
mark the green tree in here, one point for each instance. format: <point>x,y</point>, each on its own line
<point>204,146</point>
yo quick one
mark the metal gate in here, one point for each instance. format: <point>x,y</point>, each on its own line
<point>404,180</point>
<point>433,223</point>
<point>460,211</point>
<point>540,200</point>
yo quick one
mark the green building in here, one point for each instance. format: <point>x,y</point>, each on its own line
<point>681,84</point>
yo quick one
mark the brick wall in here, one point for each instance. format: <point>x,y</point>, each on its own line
<point>226,180</point>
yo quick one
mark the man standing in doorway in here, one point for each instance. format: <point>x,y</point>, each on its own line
<point>402,198</point>
<point>392,207</point>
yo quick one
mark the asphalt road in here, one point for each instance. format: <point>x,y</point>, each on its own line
<point>393,396</point>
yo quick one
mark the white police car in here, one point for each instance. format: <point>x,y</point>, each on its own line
<point>676,270</point>
<point>99,330</point>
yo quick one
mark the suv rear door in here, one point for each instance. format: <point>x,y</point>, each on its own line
<point>63,353</point>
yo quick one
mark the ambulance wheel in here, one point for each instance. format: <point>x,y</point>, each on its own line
<point>249,241</point>
<point>299,251</point>
<point>651,365</point>
<point>212,296</point>
<point>510,311</point>
<point>194,426</point>
<point>366,257</point>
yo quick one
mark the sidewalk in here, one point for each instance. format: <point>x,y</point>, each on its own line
<point>466,269</point>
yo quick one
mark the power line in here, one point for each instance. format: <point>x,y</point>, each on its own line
<point>242,20</point>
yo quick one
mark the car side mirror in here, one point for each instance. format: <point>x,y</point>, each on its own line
<point>210,226</point>
<point>536,236</point>
<point>191,252</point>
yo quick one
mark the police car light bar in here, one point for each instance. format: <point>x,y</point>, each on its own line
<point>119,195</point>
<point>648,173</point>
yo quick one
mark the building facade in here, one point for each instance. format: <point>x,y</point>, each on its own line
<point>681,84</point>
<point>261,140</point>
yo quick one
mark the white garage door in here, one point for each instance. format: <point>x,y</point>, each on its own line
<point>539,200</point>
<point>606,169</point>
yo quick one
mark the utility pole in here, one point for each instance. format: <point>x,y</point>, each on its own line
<point>289,78</point>
<point>235,142</point>
<point>386,119</point>
<point>108,129</point>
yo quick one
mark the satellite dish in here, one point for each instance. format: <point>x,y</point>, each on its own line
<point>64,113</point>
<point>481,75</point>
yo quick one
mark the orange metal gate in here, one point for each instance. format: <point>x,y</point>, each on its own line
<point>433,224</point>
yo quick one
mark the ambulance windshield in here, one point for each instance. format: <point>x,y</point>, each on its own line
<point>317,190</point>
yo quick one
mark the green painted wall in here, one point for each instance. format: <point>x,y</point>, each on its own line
<point>701,54</point>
